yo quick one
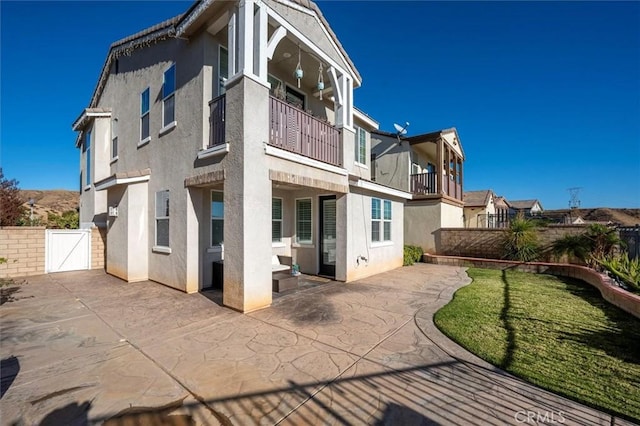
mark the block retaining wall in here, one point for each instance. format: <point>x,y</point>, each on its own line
<point>24,249</point>
<point>613,294</point>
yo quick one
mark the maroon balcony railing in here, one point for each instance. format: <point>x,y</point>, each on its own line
<point>426,184</point>
<point>296,131</point>
<point>423,183</point>
<point>216,121</point>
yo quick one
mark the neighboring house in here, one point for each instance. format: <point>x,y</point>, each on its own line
<point>199,144</point>
<point>527,207</point>
<point>479,208</point>
<point>430,167</point>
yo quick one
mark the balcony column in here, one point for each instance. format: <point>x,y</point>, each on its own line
<point>247,198</point>
<point>247,35</point>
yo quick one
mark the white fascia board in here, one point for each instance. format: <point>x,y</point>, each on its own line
<point>195,13</point>
<point>80,122</point>
<point>301,159</point>
<point>213,151</point>
<point>363,117</point>
<point>316,50</point>
<point>324,30</point>
<point>121,181</point>
<point>372,186</point>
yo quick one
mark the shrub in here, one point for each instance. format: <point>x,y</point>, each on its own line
<point>597,242</point>
<point>412,254</point>
<point>624,270</point>
<point>520,240</point>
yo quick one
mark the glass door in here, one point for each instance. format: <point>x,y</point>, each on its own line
<point>328,236</point>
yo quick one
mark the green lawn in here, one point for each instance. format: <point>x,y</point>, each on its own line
<point>557,333</point>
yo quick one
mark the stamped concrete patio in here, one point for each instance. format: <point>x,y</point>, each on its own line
<point>84,348</point>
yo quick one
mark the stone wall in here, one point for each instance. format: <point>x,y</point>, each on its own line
<point>24,249</point>
<point>485,242</point>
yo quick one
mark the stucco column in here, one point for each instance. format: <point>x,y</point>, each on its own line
<point>247,198</point>
<point>192,260</point>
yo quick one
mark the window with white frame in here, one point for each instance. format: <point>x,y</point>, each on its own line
<point>87,158</point>
<point>217,218</point>
<point>162,218</point>
<point>276,220</point>
<point>304,221</point>
<point>114,138</point>
<point>144,115</point>
<point>168,96</point>
<point>223,69</point>
<point>381,217</point>
<point>361,145</point>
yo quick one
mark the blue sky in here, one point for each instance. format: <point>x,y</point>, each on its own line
<point>545,95</point>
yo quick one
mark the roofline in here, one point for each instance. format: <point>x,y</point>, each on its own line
<point>357,113</point>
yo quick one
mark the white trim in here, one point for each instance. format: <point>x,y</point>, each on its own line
<point>376,244</point>
<point>365,118</point>
<point>113,181</point>
<point>85,114</point>
<point>87,187</point>
<point>362,166</point>
<point>281,220</point>
<point>278,245</point>
<point>301,159</point>
<point>372,186</point>
<point>215,249</point>
<point>166,129</point>
<point>161,249</point>
<point>276,37</point>
<point>113,160</point>
<point>300,36</point>
<point>144,141</point>
<point>213,151</point>
<point>305,243</point>
<point>324,30</point>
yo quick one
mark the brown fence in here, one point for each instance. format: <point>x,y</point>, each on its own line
<point>25,252</point>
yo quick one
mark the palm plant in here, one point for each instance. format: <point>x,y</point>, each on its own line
<point>598,242</point>
<point>520,240</point>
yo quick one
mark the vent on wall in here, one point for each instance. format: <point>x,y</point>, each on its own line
<point>113,211</point>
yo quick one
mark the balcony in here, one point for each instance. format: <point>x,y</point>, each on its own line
<point>427,184</point>
<point>216,121</point>
<point>294,130</point>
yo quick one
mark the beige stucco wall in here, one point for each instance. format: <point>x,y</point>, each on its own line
<point>423,219</point>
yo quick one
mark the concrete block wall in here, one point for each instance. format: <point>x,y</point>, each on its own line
<point>98,247</point>
<point>486,242</point>
<point>24,249</point>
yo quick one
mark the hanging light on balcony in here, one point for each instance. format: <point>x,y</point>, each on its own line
<point>320,81</point>
<point>298,72</point>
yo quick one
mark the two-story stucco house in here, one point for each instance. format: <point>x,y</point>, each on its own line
<point>430,167</point>
<point>230,133</point>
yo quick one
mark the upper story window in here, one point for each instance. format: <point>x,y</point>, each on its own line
<point>144,115</point>
<point>381,217</point>
<point>217,218</point>
<point>276,220</point>
<point>223,69</point>
<point>303,221</point>
<point>168,96</point>
<point>114,139</point>
<point>87,158</point>
<point>361,145</point>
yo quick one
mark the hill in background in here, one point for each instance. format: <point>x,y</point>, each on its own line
<point>55,201</point>
<point>624,217</point>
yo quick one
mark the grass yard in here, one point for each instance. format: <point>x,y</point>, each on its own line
<point>557,333</point>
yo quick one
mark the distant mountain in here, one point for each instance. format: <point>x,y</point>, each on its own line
<point>624,217</point>
<point>55,201</point>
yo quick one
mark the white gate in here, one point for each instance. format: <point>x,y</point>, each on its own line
<point>67,250</point>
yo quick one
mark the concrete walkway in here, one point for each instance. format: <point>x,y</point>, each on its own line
<point>83,347</point>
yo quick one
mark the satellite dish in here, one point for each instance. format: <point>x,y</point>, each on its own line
<point>401,130</point>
